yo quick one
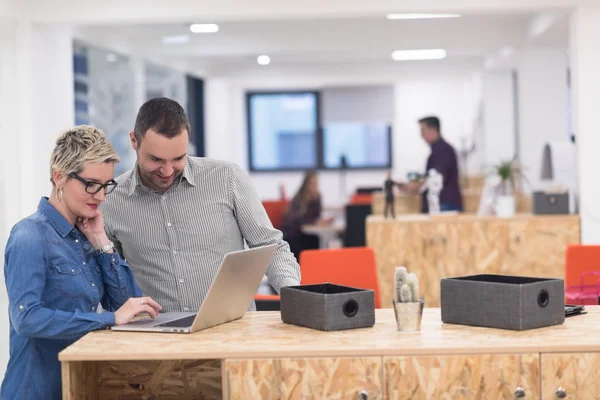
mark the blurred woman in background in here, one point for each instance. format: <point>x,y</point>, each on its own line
<point>304,209</point>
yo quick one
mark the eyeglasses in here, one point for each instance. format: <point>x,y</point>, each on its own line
<point>95,187</point>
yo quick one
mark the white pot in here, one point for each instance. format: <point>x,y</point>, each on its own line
<point>505,206</point>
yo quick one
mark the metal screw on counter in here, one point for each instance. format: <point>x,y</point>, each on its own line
<point>363,395</point>
<point>561,393</point>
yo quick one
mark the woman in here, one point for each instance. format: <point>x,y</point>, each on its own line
<point>304,209</point>
<point>59,265</point>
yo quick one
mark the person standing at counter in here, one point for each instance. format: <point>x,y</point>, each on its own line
<point>444,160</point>
<point>59,265</point>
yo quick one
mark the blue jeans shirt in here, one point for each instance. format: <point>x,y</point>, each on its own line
<point>55,282</point>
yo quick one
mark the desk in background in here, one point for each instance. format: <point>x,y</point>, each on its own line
<point>439,247</point>
<point>411,203</point>
<point>260,357</point>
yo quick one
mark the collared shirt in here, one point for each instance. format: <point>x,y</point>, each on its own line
<point>55,282</point>
<point>443,159</point>
<point>175,241</point>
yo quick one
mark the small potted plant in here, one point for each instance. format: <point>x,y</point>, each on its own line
<point>408,306</point>
<point>507,171</point>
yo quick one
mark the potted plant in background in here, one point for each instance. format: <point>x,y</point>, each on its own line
<point>507,171</point>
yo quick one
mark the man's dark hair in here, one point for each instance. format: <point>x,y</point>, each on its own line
<point>431,122</point>
<point>163,115</point>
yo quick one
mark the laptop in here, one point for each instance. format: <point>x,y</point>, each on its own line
<point>228,297</point>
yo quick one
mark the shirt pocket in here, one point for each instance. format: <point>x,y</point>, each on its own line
<point>70,279</point>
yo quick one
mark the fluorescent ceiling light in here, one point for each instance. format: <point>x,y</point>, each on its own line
<point>421,16</point>
<point>204,28</point>
<point>175,39</point>
<point>263,60</point>
<point>409,55</point>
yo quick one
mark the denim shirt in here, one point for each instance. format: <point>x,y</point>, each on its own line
<point>55,282</point>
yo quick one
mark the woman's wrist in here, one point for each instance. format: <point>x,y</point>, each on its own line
<point>99,241</point>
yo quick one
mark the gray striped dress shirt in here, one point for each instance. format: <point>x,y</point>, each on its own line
<point>175,241</point>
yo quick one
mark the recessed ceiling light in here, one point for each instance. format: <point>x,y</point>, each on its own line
<point>175,39</point>
<point>263,60</point>
<point>204,28</point>
<point>421,16</point>
<point>409,55</point>
<point>111,57</point>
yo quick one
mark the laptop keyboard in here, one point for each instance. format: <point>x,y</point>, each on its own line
<point>180,323</point>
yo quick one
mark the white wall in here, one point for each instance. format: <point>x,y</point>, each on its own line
<point>585,64</point>
<point>36,104</point>
<point>419,89</point>
<point>498,116</point>
<point>542,107</point>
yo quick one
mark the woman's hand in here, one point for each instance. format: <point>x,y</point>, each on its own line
<point>93,229</point>
<point>135,306</point>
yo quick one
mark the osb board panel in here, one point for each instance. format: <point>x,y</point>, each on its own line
<point>537,248</point>
<point>79,380</point>
<point>333,378</point>
<point>577,374</point>
<point>461,377</point>
<point>436,248</point>
<point>162,379</point>
<point>396,244</point>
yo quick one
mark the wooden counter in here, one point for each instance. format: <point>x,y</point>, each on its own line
<point>439,247</point>
<point>260,357</point>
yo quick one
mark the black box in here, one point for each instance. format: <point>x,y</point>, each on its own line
<point>328,307</point>
<point>505,302</point>
<point>547,203</point>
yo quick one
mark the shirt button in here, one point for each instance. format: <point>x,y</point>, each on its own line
<point>73,270</point>
<point>21,307</point>
<point>93,308</point>
<point>186,309</point>
<point>76,240</point>
<point>93,284</point>
<point>84,263</point>
<point>181,281</point>
<point>164,197</point>
<point>174,251</point>
<point>169,224</point>
<point>113,259</point>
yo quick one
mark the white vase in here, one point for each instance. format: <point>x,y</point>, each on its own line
<point>505,206</point>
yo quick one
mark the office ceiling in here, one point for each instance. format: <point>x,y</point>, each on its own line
<point>332,42</point>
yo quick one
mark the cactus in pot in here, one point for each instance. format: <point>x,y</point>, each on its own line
<point>406,286</point>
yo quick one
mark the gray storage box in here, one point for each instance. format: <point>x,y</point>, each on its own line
<point>505,302</point>
<point>328,307</point>
<point>546,203</point>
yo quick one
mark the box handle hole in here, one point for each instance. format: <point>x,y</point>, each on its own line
<point>350,308</point>
<point>543,298</point>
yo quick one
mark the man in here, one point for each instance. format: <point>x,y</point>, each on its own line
<point>174,217</point>
<point>444,160</point>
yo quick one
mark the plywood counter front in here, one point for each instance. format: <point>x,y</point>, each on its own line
<point>464,244</point>
<point>260,357</point>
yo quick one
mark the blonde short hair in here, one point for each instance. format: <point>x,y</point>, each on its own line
<point>79,145</point>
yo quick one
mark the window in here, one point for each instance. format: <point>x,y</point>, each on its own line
<point>364,145</point>
<point>283,130</point>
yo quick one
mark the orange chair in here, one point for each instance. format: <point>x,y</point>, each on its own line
<point>267,302</point>
<point>351,266</point>
<point>582,274</point>
<point>275,210</point>
<point>361,199</point>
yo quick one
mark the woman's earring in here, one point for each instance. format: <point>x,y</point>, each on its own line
<point>59,194</point>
